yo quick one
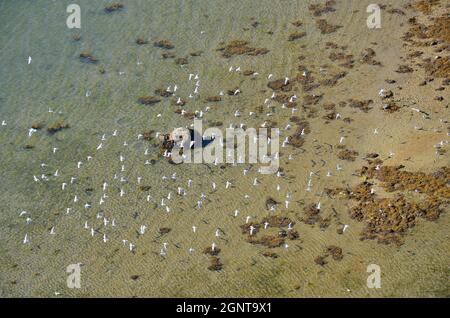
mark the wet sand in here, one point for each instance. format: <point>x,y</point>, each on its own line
<point>59,80</point>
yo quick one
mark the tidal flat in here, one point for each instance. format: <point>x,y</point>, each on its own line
<point>363,115</point>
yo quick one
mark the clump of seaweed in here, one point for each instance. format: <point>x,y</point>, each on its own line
<point>277,221</point>
<point>439,67</point>
<point>216,265</point>
<point>347,154</point>
<point>330,116</point>
<point>270,241</point>
<point>37,126</point>
<point>144,188</point>
<point>385,219</point>
<point>414,54</point>
<point>282,98</point>
<point>168,55</point>
<point>395,179</point>
<point>87,57</point>
<point>213,99</point>
<point>334,79</point>
<point>233,92</point>
<point>250,227</point>
<point>368,57</point>
<point>319,9</point>
<point>334,251</point>
<point>215,124</point>
<point>320,260</point>
<point>248,72</point>
<point>167,144</point>
<point>311,99</point>
<point>347,59</point>
<point>384,94</point>
<point>313,216</point>
<point>325,27</point>
<point>329,106</point>
<point>239,47</point>
<point>57,126</point>
<point>181,61</point>
<point>76,37</point>
<point>348,120</point>
<point>303,128</point>
<point>270,254</point>
<point>425,6</point>
<point>296,140</point>
<point>331,45</point>
<point>271,204</point>
<point>439,29</point>
<point>388,219</point>
<point>416,30</point>
<point>391,107</point>
<point>163,92</point>
<point>178,102</point>
<point>196,53</point>
<point>189,115</point>
<point>141,41</point>
<point>404,69</point>
<point>164,44</point>
<point>210,251</point>
<point>281,85</point>
<point>148,100</point>
<point>363,105</point>
<point>164,230</point>
<point>115,6</point>
<point>147,135</point>
<point>296,35</point>
<point>306,80</point>
<point>293,235</point>
<point>396,11</point>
